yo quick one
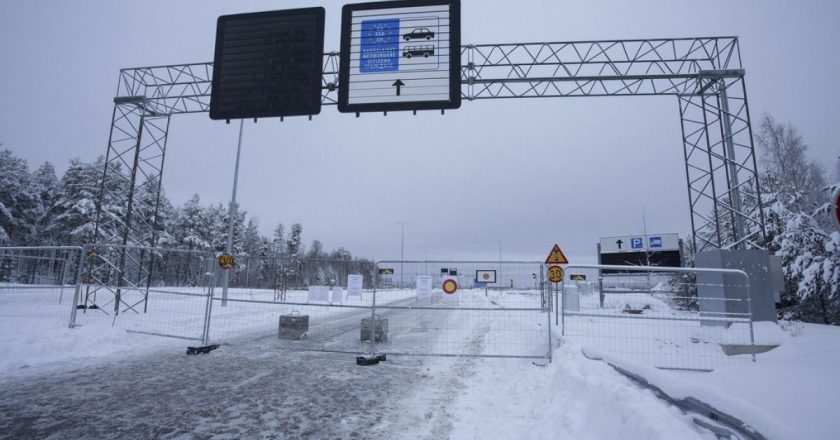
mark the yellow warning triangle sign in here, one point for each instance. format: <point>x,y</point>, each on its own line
<point>556,256</point>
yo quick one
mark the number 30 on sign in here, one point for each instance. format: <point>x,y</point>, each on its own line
<point>555,274</point>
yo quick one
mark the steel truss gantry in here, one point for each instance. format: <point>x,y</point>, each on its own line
<point>704,74</point>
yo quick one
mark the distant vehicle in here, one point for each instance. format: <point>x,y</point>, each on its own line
<point>425,51</point>
<point>419,34</point>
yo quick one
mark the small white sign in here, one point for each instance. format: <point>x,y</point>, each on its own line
<point>424,286</point>
<point>640,243</point>
<point>485,276</point>
<point>319,294</point>
<point>354,285</point>
<point>337,295</point>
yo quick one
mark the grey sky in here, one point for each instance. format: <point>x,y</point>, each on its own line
<point>526,172</point>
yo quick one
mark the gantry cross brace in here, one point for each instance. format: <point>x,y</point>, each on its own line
<point>704,74</point>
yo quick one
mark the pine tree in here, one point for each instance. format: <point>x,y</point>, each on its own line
<point>278,242</point>
<point>316,251</point>
<point>294,245</point>
<point>294,252</point>
<point>19,205</point>
<point>793,195</point>
<point>811,259</point>
<point>191,230</point>
<point>45,186</point>
<point>251,238</point>
<point>73,215</point>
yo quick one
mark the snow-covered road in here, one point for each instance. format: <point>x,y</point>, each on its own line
<point>255,389</point>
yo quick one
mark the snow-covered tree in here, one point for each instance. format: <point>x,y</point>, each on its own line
<point>45,185</point>
<point>191,229</point>
<point>19,205</point>
<point>73,215</point>
<point>811,259</point>
<point>290,264</point>
<point>294,246</point>
<point>278,241</point>
<point>316,251</point>
<point>787,168</point>
<point>251,238</point>
<point>794,194</point>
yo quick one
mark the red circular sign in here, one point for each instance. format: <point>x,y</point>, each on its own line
<point>450,286</point>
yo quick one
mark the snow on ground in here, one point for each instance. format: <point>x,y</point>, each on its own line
<point>99,381</point>
<point>791,392</point>
<point>36,338</point>
<point>253,389</point>
<point>572,398</point>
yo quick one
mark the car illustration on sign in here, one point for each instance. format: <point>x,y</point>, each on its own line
<point>425,51</point>
<point>419,34</point>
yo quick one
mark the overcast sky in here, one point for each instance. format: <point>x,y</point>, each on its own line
<point>526,173</point>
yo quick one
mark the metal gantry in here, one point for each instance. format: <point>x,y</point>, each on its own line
<point>705,74</point>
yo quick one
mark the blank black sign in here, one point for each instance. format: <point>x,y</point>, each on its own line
<point>660,258</point>
<point>268,64</point>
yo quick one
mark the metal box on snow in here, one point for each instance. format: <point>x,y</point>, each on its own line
<point>293,326</point>
<point>380,329</point>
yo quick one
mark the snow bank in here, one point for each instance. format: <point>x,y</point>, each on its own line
<point>792,392</point>
<point>43,345</point>
<point>571,398</point>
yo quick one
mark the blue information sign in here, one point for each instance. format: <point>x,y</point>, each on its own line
<point>656,242</point>
<point>636,243</point>
<point>380,46</point>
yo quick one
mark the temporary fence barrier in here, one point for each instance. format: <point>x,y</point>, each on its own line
<point>155,291</point>
<point>461,308</point>
<point>38,282</point>
<point>653,315</point>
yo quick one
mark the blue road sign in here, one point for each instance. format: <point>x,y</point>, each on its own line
<point>655,242</point>
<point>637,243</point>
<point>380,46</point>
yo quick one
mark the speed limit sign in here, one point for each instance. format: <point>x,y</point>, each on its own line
<point>555,274</point>
<point>226,261</point>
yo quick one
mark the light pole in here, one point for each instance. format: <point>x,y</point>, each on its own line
<point>501,280</point>
<point>402,248</point>
<point>231,215</point>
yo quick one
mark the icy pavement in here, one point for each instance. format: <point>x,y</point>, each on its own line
<point>254,390</point>
<point>99,382</point>
<point>236,392</point>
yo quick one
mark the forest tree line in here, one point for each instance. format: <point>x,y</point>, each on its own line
<point>38,208</point>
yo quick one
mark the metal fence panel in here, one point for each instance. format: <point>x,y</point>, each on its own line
<point>499,309</point>
<point>155,291</point>
<point>263,291</point>
<point>652,316</point>
<point>38,282</point>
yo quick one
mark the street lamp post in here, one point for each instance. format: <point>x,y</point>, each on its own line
<point>501,279</point>
<point>402,248</point>
<point>231,215</point>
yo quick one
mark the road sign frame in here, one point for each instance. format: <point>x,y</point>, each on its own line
<point>281,108</point>
<point>454,100</point>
